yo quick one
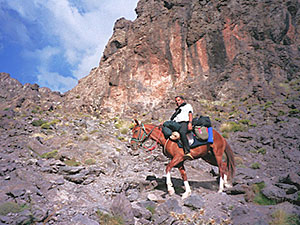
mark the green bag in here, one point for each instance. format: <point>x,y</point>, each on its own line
<point>201,133</point>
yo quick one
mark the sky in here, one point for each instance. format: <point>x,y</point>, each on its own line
<point>54,43</point>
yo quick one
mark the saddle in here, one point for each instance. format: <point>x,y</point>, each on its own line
<point>206,137</point>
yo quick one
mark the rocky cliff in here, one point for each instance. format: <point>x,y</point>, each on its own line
<point>213,50</point>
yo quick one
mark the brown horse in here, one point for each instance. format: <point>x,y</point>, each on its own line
<point>218,154</point>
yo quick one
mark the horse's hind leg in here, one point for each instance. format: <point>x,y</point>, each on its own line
<point>223,177</point>
<point>188,191</point>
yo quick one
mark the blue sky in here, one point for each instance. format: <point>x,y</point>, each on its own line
<point>54,43</point>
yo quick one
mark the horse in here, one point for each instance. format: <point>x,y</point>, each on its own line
<point>218,154</point>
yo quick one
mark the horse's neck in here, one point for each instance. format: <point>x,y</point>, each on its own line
<point>156,134</point>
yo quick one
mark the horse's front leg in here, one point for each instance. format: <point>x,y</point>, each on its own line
<point>171,190</point>
<point>188,191</point>
<point>173,163</point>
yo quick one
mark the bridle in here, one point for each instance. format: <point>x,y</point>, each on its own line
<point>143,136</point>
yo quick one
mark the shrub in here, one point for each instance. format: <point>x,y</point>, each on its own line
<point>11,207</point>
<point>294,112</point>
<point>255,166</point>
<point>218,119</point>
<point>231,127</point>
<point>268,104</point>
<point>262,151</point>
<point>280,217</point>
<point>124,131</point>
<point>108,219</point>
<point>49,155</point>
<point>93,131</point>
<point>90,162</point>
<point>38,123</point>
<point>151,209</point>
<point>72,162</point>
<point>55,121</point>
<point>260,198</point>
<point>85,138</point>
<point>46,126</point>
<point>245,121</point>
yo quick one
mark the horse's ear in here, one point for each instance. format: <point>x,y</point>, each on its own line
<point>136,122</point>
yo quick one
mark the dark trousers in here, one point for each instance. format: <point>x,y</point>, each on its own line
<point>183,131</point>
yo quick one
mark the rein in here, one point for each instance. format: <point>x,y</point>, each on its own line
<point>143,137</point>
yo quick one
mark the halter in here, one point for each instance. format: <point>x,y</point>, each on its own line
<point>143,137</point>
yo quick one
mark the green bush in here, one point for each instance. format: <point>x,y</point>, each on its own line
<point>280,217</point>
<point>255,166</point>
<point>245,121</point>
<point>262,151</point>
<point>109,219</point>
<point>11,207</point>
<point>124,131</point>
<point>38,123</point>
<point>46,126</point>
<point>232,127</point>
<point>90,162</point>
<point>72,162</point>
<point>259,198</point>
<point>294,112</point>
<point>49,155</point>
<point>151,209</point>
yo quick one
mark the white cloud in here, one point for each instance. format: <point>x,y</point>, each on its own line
<point>73,30</point>
<point>55,81</point>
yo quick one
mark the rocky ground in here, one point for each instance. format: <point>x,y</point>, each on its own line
<point>69,168</point>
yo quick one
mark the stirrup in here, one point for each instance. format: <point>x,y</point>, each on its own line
<point>188,156</point>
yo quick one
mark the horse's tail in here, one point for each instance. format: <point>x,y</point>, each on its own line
<point>230,160</point>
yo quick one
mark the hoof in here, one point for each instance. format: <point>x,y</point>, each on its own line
<point>185,195</point>
<point>171,191</point>
<point>228,185</point>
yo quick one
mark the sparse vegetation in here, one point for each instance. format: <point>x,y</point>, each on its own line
<point>46,126</point>
<point>90,162</point>
<point>38,123</point>
<point>109,219</point>
<point>262,151</point>
<point>124,131</point>
<point>280,217</point>
<point>268,104</point>
<point>255,166</point>
<point>72,162</point>
<point>294,112</point>
<point>259,198</point>
<point>49,155</point>
<point>85,138</point>
<point>11,207</point>
<point>151,209</point>
<point>231,127</point>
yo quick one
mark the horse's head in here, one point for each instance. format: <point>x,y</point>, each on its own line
<point>139,135</point>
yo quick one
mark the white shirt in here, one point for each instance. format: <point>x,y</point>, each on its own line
<point>183,116</point>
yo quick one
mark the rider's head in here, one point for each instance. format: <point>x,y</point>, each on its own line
<point>179,100</point>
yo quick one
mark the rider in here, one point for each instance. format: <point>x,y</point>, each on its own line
<point>183,115</point>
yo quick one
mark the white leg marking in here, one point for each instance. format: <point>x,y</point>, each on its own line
<point>171,190</point>
<point>188,191</point>
<point>227,184</point>
<point>221,185</point>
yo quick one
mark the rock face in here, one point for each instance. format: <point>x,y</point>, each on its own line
<point>215,50</point>
<point>29,96</point>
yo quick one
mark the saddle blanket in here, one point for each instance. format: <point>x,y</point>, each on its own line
<point>194,142</point>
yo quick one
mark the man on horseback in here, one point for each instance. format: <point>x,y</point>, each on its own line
<point>183,115</point>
